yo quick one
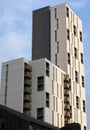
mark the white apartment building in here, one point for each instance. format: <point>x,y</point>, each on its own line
<point>64,44</point>
<point>52,91</point>
<point>47,92</point>
<point>35,88</point>
<point>16,85</point>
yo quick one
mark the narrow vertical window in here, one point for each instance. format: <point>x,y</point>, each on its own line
<point>75,30</point>
<point>67,12</point>
<point>56,59</point>
<point>57,47</point>
<point>55,13</point>
<point>84,110</point>
<point>82,58</point>
<point>80,36</point>
<point>75,52</point>
<point>71,111</point>
<point>77,101</point>
<point>47,69</point>
<point>40,113</point>
<point>68,34</point>
<point>55,35</point>
<point>40,83</point>
<point>82,81</point>
<point>47,100</point>
<point>57,23</point>
<point>69,58</point>
<point>84,127</point>
<point>76,76</point>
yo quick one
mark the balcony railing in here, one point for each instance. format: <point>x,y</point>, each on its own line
<point>66,107</point>
<point>27,97</point>
<point>28,74</point>
<point>67,114</point>
<point>27,105</point>
<point>27,81</point>
<point>27,90</point>
<point>28,68</point>
<point>66,93</point>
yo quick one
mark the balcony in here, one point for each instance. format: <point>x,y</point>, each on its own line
<point>27,113</point>
<point>27,90</point>
<point>66,93</point>
<point>67,86</point>
<point>28,68</point>
<point>66,78</point>
<point>67,114</point>
<point>27,106</point>
<point>66,99</point>
<point>28,74</point>
<point>27,81</point>
<point>67,121</point>
<point>67,107</point>
<point>27,97</point>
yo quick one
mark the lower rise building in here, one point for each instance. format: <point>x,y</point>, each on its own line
<point>41,90</point>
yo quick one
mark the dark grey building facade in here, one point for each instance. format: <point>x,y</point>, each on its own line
<point>41,34</point>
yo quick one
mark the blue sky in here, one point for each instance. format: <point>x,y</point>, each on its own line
<point>16,30</point>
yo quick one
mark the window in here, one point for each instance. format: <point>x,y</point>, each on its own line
<point>84,110</point>
<point>76,76</point>
<point>47,99</point>
<point>40,83</point>
<point>55,13</point>
<point>67,12</point>
<point>82,58</point>
<point>70,84</point>
<point>71,111</point>
<point>56,59</point>
<point>47,68</point>
<point>69,58</point>
<point>75,30</point>
<point>82,81</point>
<point>57,47</point>
<point>68,34</point>
<point>40,113</point>
<point>77,101</point>
<point>80,36</point>
<point>55,35</point>
<point>84,127</point>
<point>57,23</point>
<point>75,52</point>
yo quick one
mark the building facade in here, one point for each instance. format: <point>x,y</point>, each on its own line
<point>52,89</point>
<point>35,88</point>
<point>57,35</point>
<point>16,85</point>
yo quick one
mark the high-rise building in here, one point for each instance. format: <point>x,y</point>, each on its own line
<point>57,35</point>
<point>52,89</point>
